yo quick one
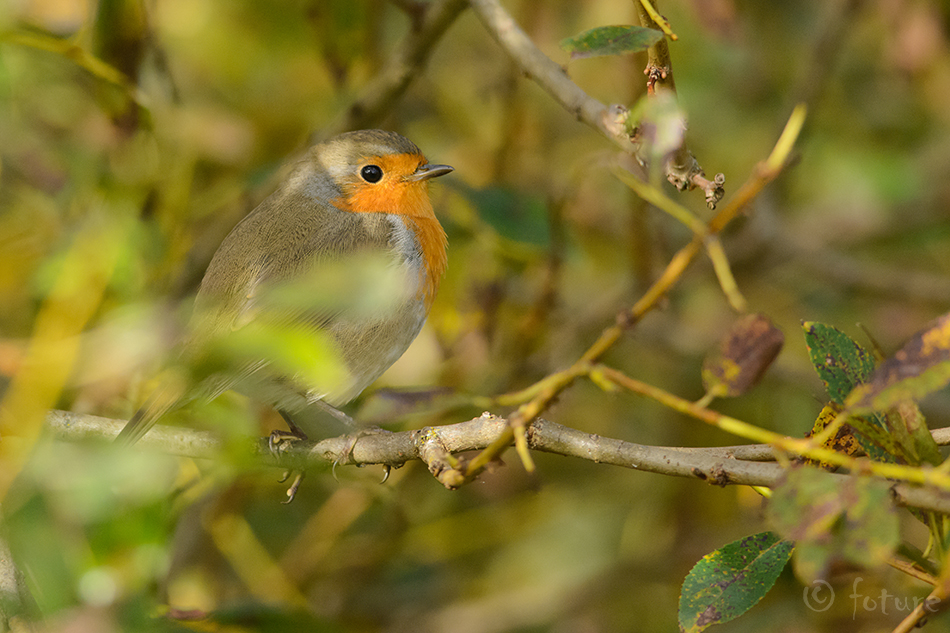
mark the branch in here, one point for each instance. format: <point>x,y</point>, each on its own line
<point>706,464</point>
<point>404,64</point>
<point>546,73</point>
<point>535,399</point>
<point>682,170</point>
<point>437,448</point>
<point>15,598</point>
<point>933,604</point>
<point>69,50</point>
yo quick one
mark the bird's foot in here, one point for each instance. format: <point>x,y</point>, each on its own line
<point>278,442</point>
<point>298,476</point>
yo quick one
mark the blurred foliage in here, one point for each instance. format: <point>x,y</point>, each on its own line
<point>134,136</point>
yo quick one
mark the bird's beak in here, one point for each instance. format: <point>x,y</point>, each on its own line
<point>424,172</point>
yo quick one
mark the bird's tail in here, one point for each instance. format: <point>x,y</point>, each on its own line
<point>169,396</point>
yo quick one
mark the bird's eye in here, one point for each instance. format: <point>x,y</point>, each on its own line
<point>371,173</point>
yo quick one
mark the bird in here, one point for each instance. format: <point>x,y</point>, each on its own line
<point>361,194</point>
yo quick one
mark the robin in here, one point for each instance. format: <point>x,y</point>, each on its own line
<point>360,194</point>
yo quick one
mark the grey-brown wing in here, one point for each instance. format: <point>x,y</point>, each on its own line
<point>284,245</point>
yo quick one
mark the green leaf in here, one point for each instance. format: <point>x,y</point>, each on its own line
<point>847,369</point>
<point>310,356</point>
<point>833,518</point>
<point>872,529</point>
<point>841,363</point>
<point>731,580</point>
<point>907,416</point>
<point>919,368</point>
<point>610,40</point>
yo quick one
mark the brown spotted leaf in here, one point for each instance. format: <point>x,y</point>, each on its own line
<point>730,581</point>
<point>744,354</point>
<point>844,441</point>
<point>840,361</point>
<point>920,367</point>
<point>845,367</point>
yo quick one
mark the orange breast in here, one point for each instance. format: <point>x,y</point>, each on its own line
<point>432,243</point>
<point>409,200</point>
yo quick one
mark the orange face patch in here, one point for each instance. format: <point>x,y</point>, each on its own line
<point>392,194</point>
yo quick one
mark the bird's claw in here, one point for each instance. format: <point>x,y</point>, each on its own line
<point>277,442</point>
<point>387,469</point>
<point>294,486</point>
<point>346,455</point>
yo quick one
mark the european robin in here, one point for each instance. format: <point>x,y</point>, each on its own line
<point>362,193</point>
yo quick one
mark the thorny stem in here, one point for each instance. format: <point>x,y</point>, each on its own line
<point>682,168</point>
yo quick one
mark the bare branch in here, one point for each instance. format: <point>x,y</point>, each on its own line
<point>439,447</point>
<point>682,169</point>
<point>535,399</point>
<point>14,595</point>
<point>546,73</point>
<point>404,64</point>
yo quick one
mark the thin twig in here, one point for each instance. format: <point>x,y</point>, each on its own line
<point>68,49</point>
<point>803,447</point>
<point>717,255</point>
<point>544,71</point>
<point>535,399</point>
<point>682,169</point>
<point>404,65</point>
<point>935,603</point>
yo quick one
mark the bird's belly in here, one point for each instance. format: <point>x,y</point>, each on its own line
<point>367,343</point>
<point>366,347</point>
<point>369,348</point>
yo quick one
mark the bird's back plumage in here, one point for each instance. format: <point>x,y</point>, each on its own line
<point>326,213</point>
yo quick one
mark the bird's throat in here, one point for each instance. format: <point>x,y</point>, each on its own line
<point>411,201</point>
